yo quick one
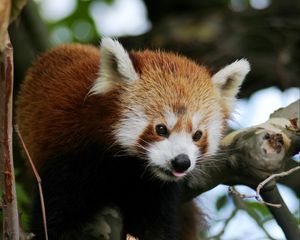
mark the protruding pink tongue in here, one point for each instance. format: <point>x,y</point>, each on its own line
<point>178,174</point>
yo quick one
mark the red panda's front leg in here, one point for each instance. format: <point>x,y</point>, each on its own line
<point>107,224</point>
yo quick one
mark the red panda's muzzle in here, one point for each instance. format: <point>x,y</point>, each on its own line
<point>180,165</point>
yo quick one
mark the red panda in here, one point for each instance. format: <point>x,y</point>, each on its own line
<point>115,129</point>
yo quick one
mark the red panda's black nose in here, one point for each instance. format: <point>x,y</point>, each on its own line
<point>181,163</point>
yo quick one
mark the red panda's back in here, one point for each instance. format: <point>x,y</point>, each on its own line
<point>51,98</point>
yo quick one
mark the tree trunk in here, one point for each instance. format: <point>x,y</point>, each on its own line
<point>7,182</point>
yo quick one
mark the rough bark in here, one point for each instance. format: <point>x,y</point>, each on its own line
<point>5,8</point>
<point>9,10</point>
<point>248,157</point>
<point>282,214</point>
<point>9,198</point>
<point>17,6</point>
<point>251,155</point>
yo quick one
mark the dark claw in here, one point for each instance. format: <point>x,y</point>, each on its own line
<point>267,136</point>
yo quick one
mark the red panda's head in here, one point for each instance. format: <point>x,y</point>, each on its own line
<point>173,111</point>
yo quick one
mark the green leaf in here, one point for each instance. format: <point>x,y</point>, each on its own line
<point>108,1</point>
<point>260,208</point>
<point>221,202</point>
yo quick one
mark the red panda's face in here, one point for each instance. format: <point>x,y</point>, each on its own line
<point>171,120</point>
<point>173,111</point>
<point>175,142</point>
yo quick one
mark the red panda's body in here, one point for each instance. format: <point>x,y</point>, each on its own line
<point>94,132</point>
<point>55,114</point>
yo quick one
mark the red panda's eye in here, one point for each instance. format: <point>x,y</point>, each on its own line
<point>161,130</point>
<point>197,135</point>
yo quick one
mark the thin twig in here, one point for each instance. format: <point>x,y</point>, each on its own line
<point>257,197</point>
<point>38,178</point>
<point>282,174</point>
<point>261,185</point>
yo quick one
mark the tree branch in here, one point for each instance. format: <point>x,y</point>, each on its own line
<point>256,196</point>
<point>262,184</point>
<point>282,215</point>
<point>9,204</point>
<point>282,174</point>
<point>292,181</point>
<point>252,155</point>
<point>5,8</point>
<point>9,10</point>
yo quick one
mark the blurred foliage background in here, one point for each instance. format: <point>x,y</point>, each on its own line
<point>213,33</point>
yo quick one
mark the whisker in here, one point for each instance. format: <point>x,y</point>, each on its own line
<point>146,142</point>
<point>142,147</point>
<point>202,171</point>
<point>145,169</point>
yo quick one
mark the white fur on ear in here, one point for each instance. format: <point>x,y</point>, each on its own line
<point>115,66</point>
<point>229,79</point>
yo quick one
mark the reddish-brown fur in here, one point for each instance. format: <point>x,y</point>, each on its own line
<point>63,118</point>
<point>69,119</point>
<point>173,81</point>
<point>185,81</point>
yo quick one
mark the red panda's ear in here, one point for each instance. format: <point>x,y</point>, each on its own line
<point>115,66</point>
<point>229,79</point>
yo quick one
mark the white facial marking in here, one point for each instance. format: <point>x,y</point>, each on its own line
<point>129,129</point>
<point>171,118</point>
<point>161,153</point>
<point>214,130</point>
<point>196,119</point>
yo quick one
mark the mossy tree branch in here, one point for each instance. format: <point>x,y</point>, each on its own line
<point>248,157</point>
<point>251,155</point>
